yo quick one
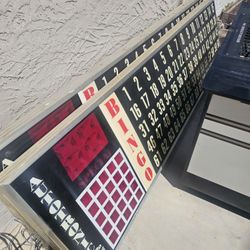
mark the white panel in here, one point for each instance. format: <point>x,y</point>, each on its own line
<point>223,163</point>
<point>226,130</point>
<point>230,109</point>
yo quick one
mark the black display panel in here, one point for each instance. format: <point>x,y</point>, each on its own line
<point>25,140</point>
<point>89,184</point>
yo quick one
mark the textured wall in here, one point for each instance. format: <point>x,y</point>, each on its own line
<point>220,4</point>
<point>44,42</point>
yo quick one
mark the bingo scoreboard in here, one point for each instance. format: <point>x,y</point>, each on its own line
<point>77,174</point>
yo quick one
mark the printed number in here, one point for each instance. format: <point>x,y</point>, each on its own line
<point>136,111</point>
<point>191,67</point>
<point>152,41</point>
<point>174,88</point>
<point>116,71</point>
<point>145,100</point>
<point>170,50</point>
<point>155,65</point>
<point>161,106</point>
<point>196,42</point>
<point>180,59</point>
<point>178,102</point>
<point>145,70</point>
<point>166,121</point>
<point>157,158</point>
<point>153,117</point>
<point>162,81</point>
<point>136,81</point>
<point>163,58</point>
<point>177,126</point>
<point>185,73</point>
<point>180,80</point>
<point>167,96</point>
<point>171,135</point>
<point>144,128</point>
<point>126,62</point>
<point>169,73</point>
<point>176,44</point>
<point>105,80</point>
<point>127,94</point>
<point>182,116</point>
<point>193,28</point>
<point>154,90</point>
<point>175,66</point>
<point>197,23</point>
<point>151,144</point>
<point>172,111</point>
<point>187,53</point>
<point>187,32</point>
<point>164,146</point>
<point>159,131</point>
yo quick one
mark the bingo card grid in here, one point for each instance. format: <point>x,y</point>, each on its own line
<point>112,197</point>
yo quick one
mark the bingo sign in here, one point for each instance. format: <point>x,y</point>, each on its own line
<point>24,140</point>
<point>88,186</point>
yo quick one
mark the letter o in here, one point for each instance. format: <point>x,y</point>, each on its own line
<point>149,174</point>
<point>73,229</point>
<point>55,207</point>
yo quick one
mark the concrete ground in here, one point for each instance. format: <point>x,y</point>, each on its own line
<point>171,219</point>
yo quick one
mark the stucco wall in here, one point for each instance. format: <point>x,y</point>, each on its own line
<point>43,42</point>
<point>220,4</point>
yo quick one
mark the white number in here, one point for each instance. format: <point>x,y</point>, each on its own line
<point>145,70</point>
<point>127,94</point>
<point>136,111</point>
<point>152,116</point>
<point>126,62</point>
<point>136,81</point>
<point>105,80</point>
<point>167,96</point>
<point>163,58</point>
<point>144,128</point>
<point>155,65</point>
<point>116,71</point>
<point>169,73</point>
<point>162,81</point>
<point>145,100</point>
<point>154,90</point>
<point>170,50</point>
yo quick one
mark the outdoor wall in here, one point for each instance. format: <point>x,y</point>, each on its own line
<point>42,43</point>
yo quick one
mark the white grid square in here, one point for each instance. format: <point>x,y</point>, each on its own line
<point>112,197</point>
